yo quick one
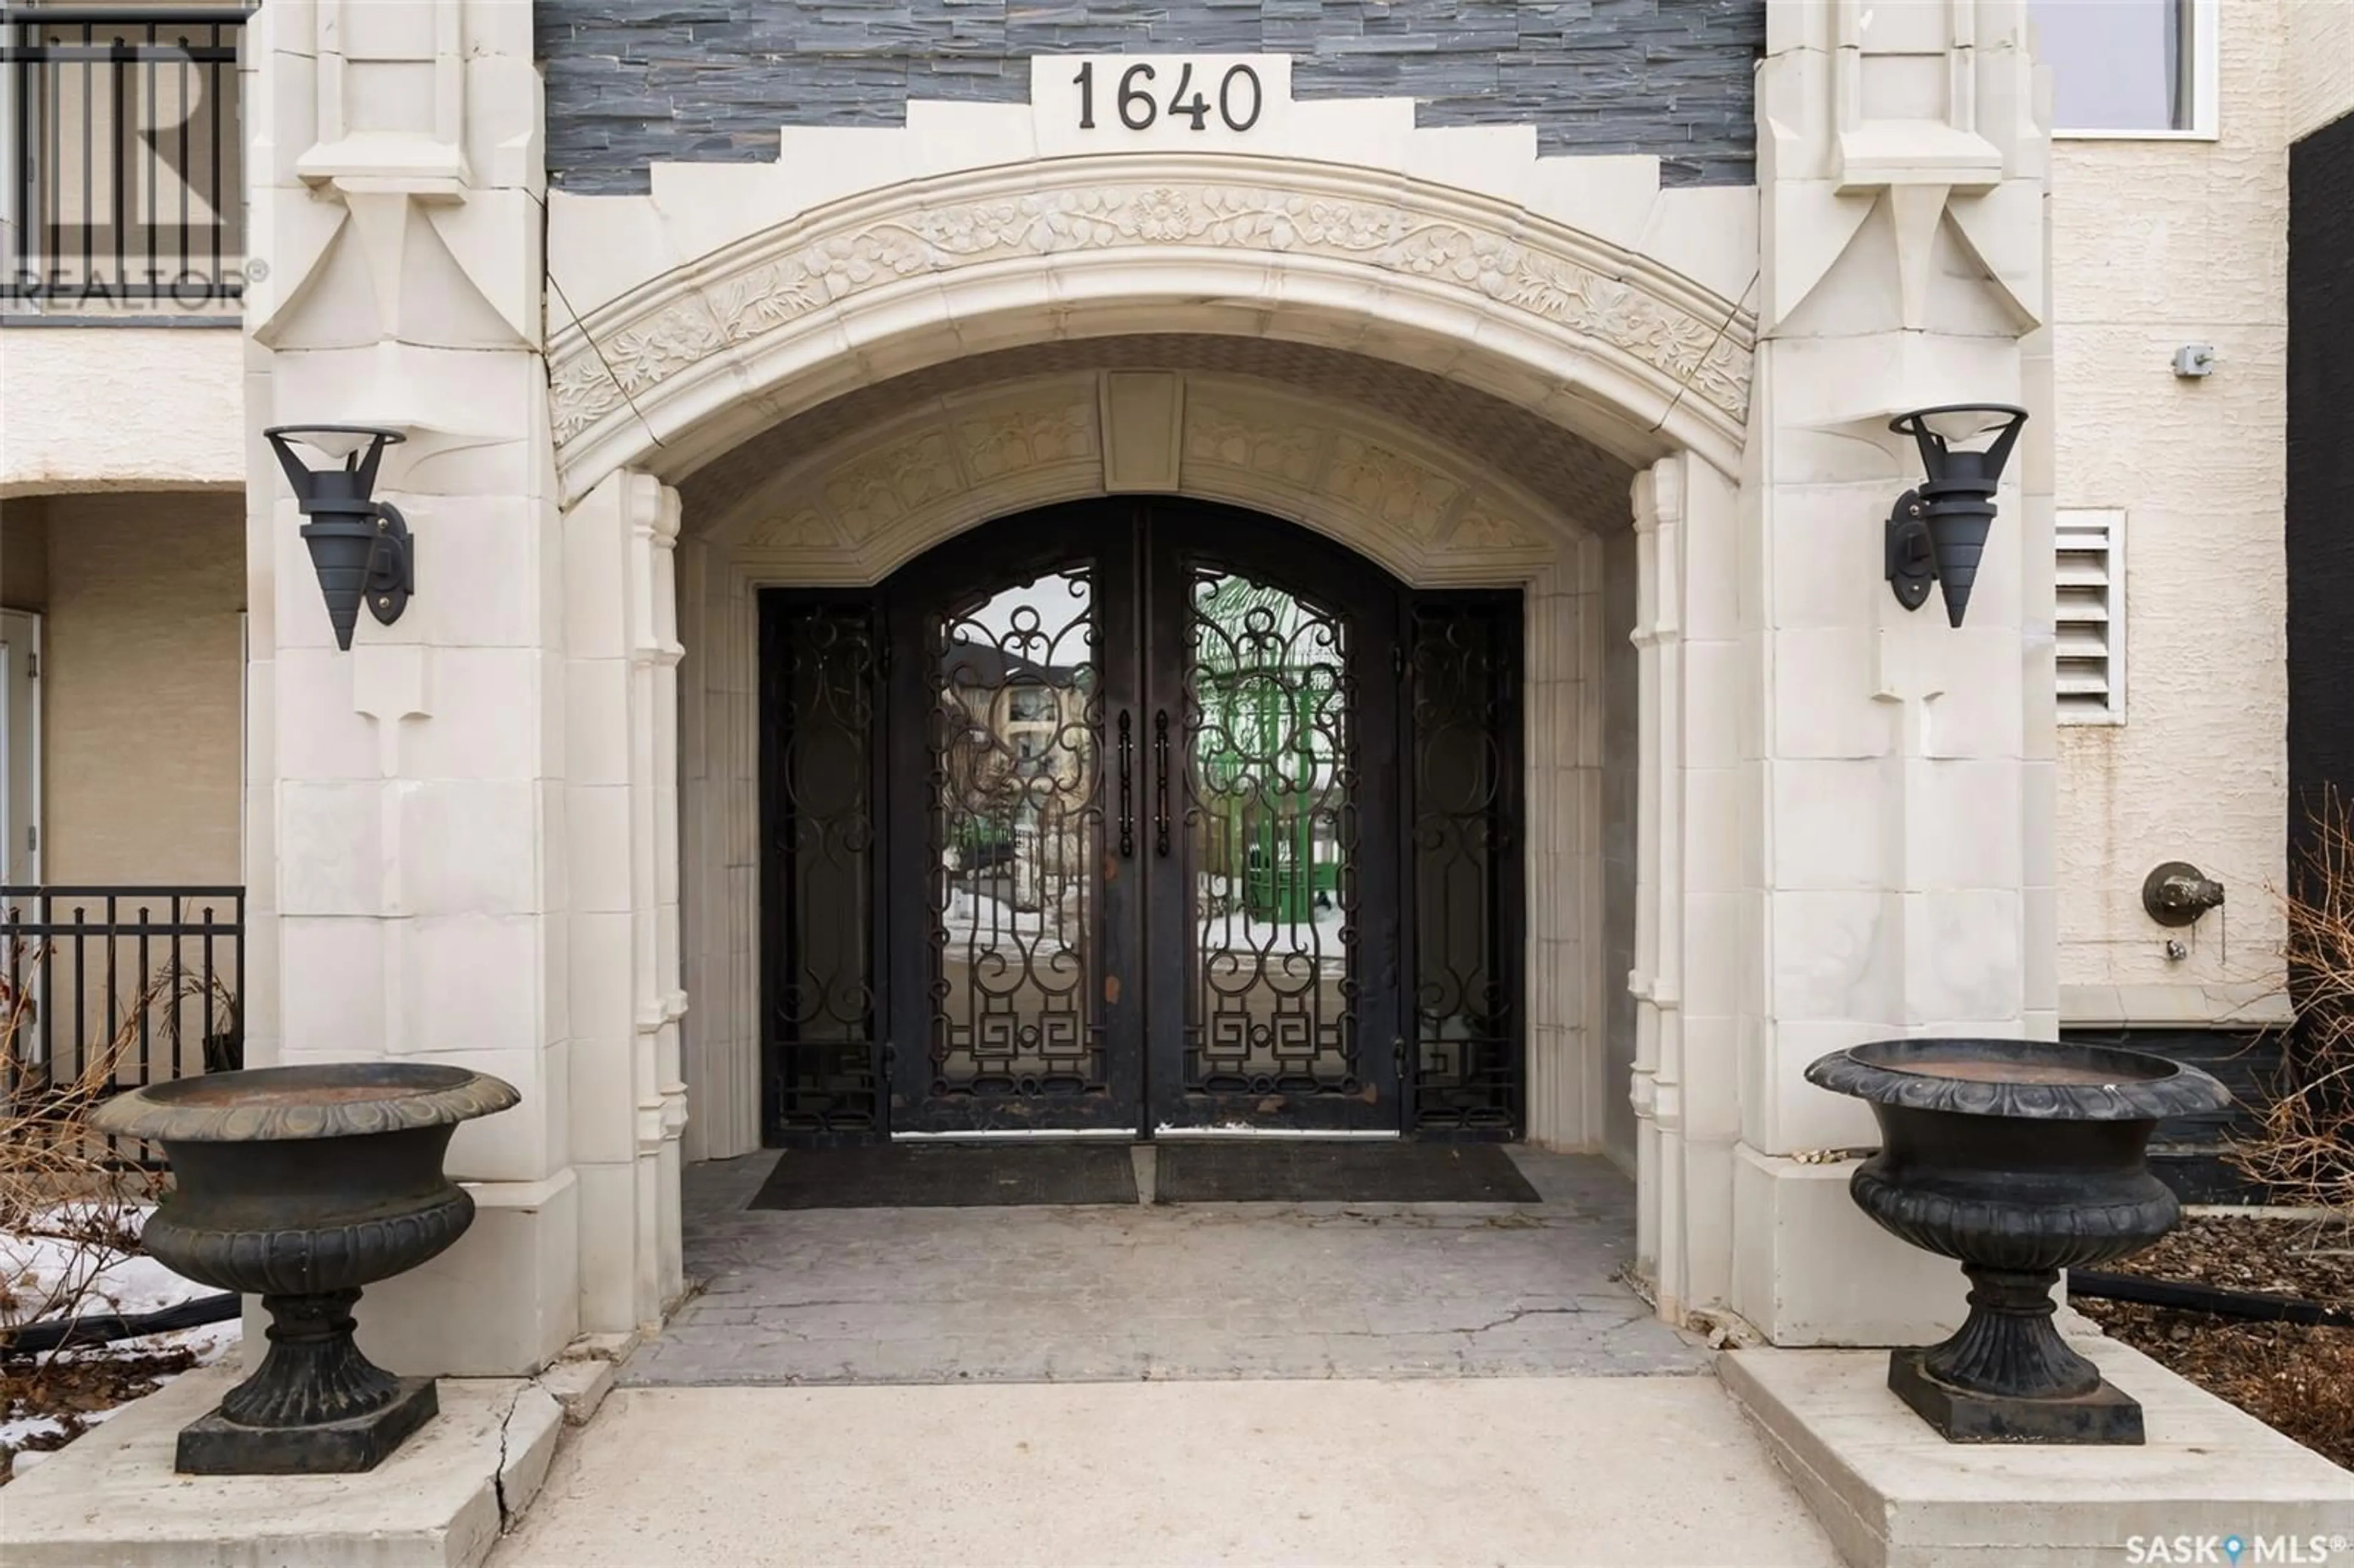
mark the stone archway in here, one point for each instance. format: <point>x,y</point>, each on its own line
<point>750,356</point>
<point>664,370</point>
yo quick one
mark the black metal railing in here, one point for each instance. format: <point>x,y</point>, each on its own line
<point>125,168</point>
<point>109,988</point>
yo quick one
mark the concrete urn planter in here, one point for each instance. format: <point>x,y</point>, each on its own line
<point>2020,1158</point>
<point>303,1185</point>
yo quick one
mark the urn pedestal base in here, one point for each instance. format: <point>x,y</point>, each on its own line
<point>2107,1414</point>
<point>213,1445</point>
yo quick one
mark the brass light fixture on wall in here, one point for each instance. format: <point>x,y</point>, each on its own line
<point>359,547</point>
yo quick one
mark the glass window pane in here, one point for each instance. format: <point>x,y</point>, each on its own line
<point>1270,833</point>
<point>2117,65</point>
<point>1018,844</point>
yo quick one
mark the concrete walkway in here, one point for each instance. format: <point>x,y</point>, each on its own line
<point>1657,1471</point>
<point>1218,1290</point>
<point>1354,1385</point>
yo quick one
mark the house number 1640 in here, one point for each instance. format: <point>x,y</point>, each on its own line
<point>1240,98</point>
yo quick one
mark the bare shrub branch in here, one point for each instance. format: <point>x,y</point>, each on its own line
<point>2303,1149</point>
<point>69,1204</point>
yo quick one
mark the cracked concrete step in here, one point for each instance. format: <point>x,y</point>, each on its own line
<point>1237,1291</point>
<point>111,1496</point>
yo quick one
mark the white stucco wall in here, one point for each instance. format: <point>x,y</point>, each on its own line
<point>2157,244</point>
<point>2320,64</point>
<point>92,407</point>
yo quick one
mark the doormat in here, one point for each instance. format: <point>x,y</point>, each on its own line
<point>950,1176</point>
<point>1331,1170</point>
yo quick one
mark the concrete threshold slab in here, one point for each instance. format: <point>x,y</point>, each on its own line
<point>111,1495</point>
<point>1438,1474</point>
<point>1893,1494</point>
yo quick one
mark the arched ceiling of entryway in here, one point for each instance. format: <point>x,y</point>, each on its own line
<point>1439,483</point>
<point>1576,479</point>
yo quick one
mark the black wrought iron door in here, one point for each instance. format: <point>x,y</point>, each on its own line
<point>1144,853</point>
<point>1011,822</point>
<point>1273,674</point>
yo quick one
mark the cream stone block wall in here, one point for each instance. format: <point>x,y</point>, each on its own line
<point>407,895</point>
<point>1890,768</point>
<point>119,408</point>
<point>2158,244</point>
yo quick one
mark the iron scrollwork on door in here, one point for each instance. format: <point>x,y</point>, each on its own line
<point>1465,665</point>
<point>1018,830</point>
<point>1270,840</point>
<point>818,718</point>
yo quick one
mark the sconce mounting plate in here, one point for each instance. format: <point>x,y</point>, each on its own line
<point>1912,554</point>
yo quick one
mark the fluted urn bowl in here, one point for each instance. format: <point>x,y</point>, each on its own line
<point>2019,1157</point>
<point>303,1186</point>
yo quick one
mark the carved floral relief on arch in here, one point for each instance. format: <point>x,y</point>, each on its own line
<point>1689,341</point>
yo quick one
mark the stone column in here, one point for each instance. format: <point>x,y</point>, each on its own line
<point>1688,877</point>
<point>720,881</point>
<point>409,892</point>
<point>1563,659</point>
<point>1895,771</point>
<point>627,1107</point>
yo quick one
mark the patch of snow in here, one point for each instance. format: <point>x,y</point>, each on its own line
<point>18,1428</point>
<point>128,1285</point>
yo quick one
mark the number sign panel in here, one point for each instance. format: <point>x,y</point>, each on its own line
<point>1129,103</point>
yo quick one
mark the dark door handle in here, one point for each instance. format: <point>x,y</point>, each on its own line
<point>1161,782</point>
<point>1127,808</point>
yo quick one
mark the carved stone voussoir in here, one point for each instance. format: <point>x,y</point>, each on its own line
<point>1688,340</point>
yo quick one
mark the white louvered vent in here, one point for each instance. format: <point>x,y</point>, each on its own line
<point>2089,617</point>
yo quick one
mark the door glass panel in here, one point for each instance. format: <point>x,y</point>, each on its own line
<point>1269,842</point>
<point>1018,835</point>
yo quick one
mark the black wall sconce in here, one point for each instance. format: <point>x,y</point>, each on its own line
<point>359,547</point>
<point>1938,530</point>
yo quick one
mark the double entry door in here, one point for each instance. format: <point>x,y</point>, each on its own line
<point>1140,802</point>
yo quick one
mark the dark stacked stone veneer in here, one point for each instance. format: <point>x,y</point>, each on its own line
<point>633,82</point>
